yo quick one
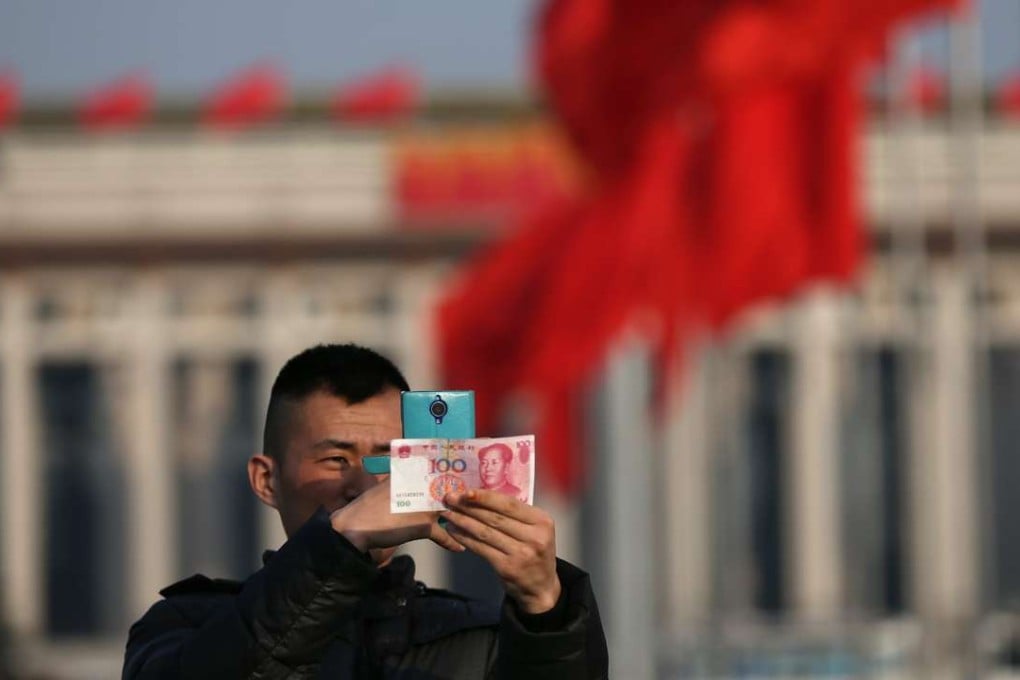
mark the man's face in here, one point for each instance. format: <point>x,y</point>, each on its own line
<point>326,439</point>
<point>492,467</point>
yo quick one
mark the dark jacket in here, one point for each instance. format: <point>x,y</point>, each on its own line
<point>320,608</point>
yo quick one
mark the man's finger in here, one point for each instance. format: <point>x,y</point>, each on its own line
<point>480,531</point>
<point>442,538</point>
<point>513,528</point>
<point>484,550</point>
<point>498,502</point>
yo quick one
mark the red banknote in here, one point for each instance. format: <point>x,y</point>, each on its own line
<point>423,471</point>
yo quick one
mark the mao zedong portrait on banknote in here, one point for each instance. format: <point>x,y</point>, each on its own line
<point>336,600</point>
<point>495,462</point>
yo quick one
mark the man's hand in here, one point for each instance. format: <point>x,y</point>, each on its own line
<point>368,523</point>
<point>518,540</point>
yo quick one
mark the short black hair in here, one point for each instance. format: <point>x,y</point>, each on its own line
<point>348,371</point>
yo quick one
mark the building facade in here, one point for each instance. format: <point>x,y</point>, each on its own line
<point>831,491</point>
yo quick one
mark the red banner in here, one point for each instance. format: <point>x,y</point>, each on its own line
<point>478,174</point>
<point>9,98</point>
<point>123,104</point>
<point>381,97</point>
<point>1007,96</point>
<point>926,89</point>
<point>255,96</point>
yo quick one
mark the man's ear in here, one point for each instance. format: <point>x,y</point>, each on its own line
<point>261,477</point>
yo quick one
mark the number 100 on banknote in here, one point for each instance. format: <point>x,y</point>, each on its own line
<point>424,471</point>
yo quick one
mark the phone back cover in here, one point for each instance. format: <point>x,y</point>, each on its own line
<point>419,423</point>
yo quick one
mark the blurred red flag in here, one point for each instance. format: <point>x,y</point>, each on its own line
<point>10,96</point>
<point>256,95</point>
<point>124,103</point>
<point>1007,96</point>
<point>720,141</point>
<point>383,96</point>
<point>926,89</point>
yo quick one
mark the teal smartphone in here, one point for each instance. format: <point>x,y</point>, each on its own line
<point>431,414</point>
<point>438,414</point>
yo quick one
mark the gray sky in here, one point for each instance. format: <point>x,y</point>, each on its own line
<point>64,47</point>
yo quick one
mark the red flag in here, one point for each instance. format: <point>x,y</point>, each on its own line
<point>926,89</point>
<point>720,138</point>
<point>380,97</point>
<point>257,95</point>
<point>10,96</point>
<point>1007,96</point>
<point>124,103</point>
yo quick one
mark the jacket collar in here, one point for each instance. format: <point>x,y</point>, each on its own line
<point>395,576</point>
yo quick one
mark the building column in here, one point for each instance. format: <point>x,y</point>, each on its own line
<point>943,462</point>
<point>152,502</point>
<point>23,460</point>
<point>627,462</point>
<point>684,493</point>
<point>814,536</point>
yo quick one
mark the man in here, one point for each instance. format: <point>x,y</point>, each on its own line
<point>493,463</point>
<point>334,602</point>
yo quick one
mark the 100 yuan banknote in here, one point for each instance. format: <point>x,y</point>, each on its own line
<point>423,471</point>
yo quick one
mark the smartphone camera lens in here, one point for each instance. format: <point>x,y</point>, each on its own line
<point>438,409</point>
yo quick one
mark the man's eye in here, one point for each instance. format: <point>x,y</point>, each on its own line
<point>342,460</point>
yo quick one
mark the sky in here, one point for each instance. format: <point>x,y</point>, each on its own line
<point>62,48</point>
